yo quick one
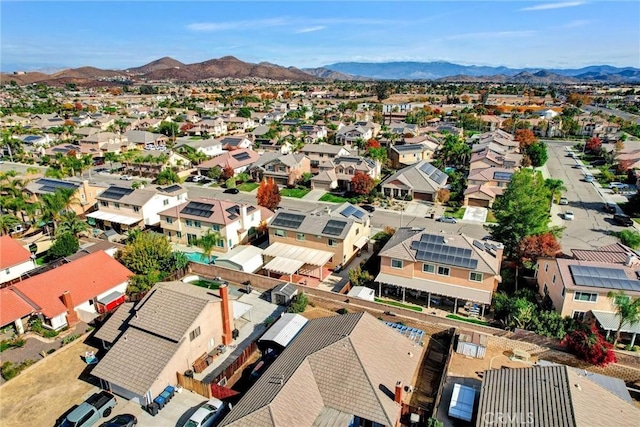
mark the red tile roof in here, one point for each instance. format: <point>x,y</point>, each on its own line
<point>12,307</point>
<point>84,278</point>
<point>12,253</point>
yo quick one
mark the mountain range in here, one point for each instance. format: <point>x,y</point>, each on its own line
<point>230,67</point>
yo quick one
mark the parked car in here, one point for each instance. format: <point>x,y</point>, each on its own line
<point>609,208</point>
<point>206,414</point>
<point>198,178</point>
<point>618,185</point>
<point>231,191</point>
<point>91,410</point>
<point>599,162</point>
<point>588,178</point>
<point>126,177</point>
<point>122,420</point>
<point>368,208</point>
<point>624,220</point>
<point>564,201</point>
<point>568,216</point>
<point>447,219</point>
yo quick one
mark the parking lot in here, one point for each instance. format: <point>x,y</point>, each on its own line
<point>591,226</point>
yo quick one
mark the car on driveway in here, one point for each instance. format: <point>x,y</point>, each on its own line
<point>609,207</point>
<point>568,216</point>
<point>564,201</point>
<point>447,219</point>
<point>231,191</point>
<point>207,414</point>
<point>618,185</point>
<point>122,420</point>
<point>624,220</point>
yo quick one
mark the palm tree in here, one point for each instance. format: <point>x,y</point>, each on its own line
<point>7,222</point>
<point>71,223</point>
<point>556,186</point>
<point>627,310</point>
<point>208,242</point>
<point>54,204</point>
<point>111,157</point>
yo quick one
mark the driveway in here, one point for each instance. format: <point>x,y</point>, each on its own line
<point>314,195</point>
<point>474,213</point>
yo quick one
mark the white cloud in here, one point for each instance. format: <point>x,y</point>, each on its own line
<point>491,35</point>
<point>549,6</point>
<point>577,23</point>
<point>236,25</point>
<point>310,29</point>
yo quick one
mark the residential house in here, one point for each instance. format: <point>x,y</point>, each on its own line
<point>455,267</point>
<point>578,287</point>
<point>15,260</point>
<point>421,181</point>
<point>208,147</point>
<point>36,141</point>
<point>403,129</point>
<point>165,333</point>
<point>231,143</point>
<point>209,126</point>
<point>152,162</point>
<point>307,242</point>
<point>339,172</point>
<point>487,158</point>
<point>46,121</point>
<point>409,154</point>
<point>318,153</point>
<point>97,144</point>
<point>239,160</point>
<point>491,123</point>
<point>234,223</point>
<point>342,370</point>
<point>64,150</point>
<point>485,185</point>
<point>358,131</point>
<point>84,197</point>
<point>283,169</point>
<point>240,124</point>
<point>265,145</point>
<point>141,139</point>
<point>102,121</point>
<point>71,292</point>
<point>123,208</point>
<point>550,396</point>
<point>146,123</point>
<point>313,133</point>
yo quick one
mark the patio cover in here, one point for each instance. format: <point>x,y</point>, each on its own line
<point>283,265</point>
<point>297,253</point>
<point>445,289</point>
<point>609,322</point>
<point>120,219</point>
<point>361,242</point>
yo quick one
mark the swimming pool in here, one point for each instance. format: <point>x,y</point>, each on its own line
<point>200,258</point>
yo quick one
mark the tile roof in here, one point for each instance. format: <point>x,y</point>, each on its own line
<point>322,148</point>
<point>13,306</point>
<point>615,253</point>
<point>228,158</point>
<point>414,177</point>
<point>84,279</point>
<point>12,252</point>
<point>222,212</point>
<point>116,324</point>
<point>344,363</point>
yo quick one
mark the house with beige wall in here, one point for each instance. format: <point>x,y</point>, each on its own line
<point>436,266</point>
<point>166,332</point>
<point>84,197</point>
<point>234,223</point>
<point>285,169</point>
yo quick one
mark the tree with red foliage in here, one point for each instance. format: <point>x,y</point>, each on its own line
<point>525,137</point>
<point>362,183</point>
<point>78,106</point>
<point>227,172</point>
<point>533,247</point>
<point>185,127</point>
<point>372,143</point>
<point>268,194</point>
<point>594,145</point>
<point>589,345</point>
<point>624,165</point>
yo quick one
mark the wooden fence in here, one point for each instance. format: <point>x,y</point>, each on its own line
<point>189,383</point>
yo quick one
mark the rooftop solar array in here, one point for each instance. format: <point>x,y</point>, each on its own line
<point>288,220</point>
<point>408,147</point>
<point>334,228</point>
<point>503,176</point>
<point>172,188</point>
<point>352,211</point>
<point>434,173</point>
<point>198,209</point>
<point>600,277</point>
<point>433,248</point>
<point>116,193</point>
<point>241,156</point>
<point>51,185</point>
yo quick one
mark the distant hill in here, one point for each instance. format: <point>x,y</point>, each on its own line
<point>325,73</point>
<point>158,64</point>
<point>455,72</point>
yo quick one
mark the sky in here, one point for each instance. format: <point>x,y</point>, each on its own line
<point>120,35</point>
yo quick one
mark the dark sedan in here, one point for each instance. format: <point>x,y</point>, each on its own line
<point>123,420</point>
<point>368,208</point>
<point>231,191</point>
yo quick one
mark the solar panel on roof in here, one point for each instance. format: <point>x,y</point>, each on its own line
<point>348,211</point>
<point>172,188</point>
<point>288,220</point>
<point>358,214</point>
<point>241,156</point>
<point>503,176</point>
<point>52,185</point>
<point>198,209</point>
<point>116,193</point>
<point>600,277</point>
<point>433,248</point>
<point>334,228</point>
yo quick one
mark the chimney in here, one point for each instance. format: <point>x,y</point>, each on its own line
<point>226,315</point>
<point>72,316</point>
<point>244,217</point>
<point>398,395</point>
<point>631,259</point>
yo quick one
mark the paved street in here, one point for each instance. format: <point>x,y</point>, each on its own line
<point>617,113</point>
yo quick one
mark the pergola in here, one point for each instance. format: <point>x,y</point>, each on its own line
<point>610,321</point>
<point>282,258</point>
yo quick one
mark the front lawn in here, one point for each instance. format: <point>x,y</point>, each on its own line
<point>398,304</point>
<point>328,197</point>
<point>491,217</point>
<point>248,186</point>
<point>455,212</point>
<point>298,193</point>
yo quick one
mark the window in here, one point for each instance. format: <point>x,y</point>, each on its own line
<point>165,202</point>
<point>429,268</point>
<point>301,237</point>
<point>357,231</point>
<point>215,227</point>
<point>475,277</point>
<point>189,223</point>
<point>546,290</point>
<point>136,209</point>
<point>553,279</point>
<point>546,266</point>
<point>396,263</point>
<point>563,291</point>
<point>103,203</point>
<point>578,315</point>
<point>220,243</point>
<point>331,242</point>
<point>116,205</point>
<point>178,234</point>
<point>194,334</point>
<point>169,220</point>
<point>280,233</point>
<point>443,271</point>
<point>197,224</point>
<point>585,296</point>
<point>230,242</point>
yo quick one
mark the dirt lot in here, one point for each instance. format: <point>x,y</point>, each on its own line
<point>317,312</point>
<point>43,392</point>
<point>463,366</point>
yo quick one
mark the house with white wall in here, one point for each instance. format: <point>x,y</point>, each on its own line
<point>15,260</point>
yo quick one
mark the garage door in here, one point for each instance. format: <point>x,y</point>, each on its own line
<point>423,196</point>
<point>126,394</point>
<point>478,203</point>
<point>322,186</point>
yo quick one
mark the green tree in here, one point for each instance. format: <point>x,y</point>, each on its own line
<point>537,153</point>
<point>111,157</point>
<point>170,129</point>
<point>382,90</point>
<point>557,187</point>
<point>167,176</point>
<point>298,304</point>
<point>72,224</point>
<point>627,311</point>
<point>214,173</point>
<point>7,222</point>
<point>208,242</point>
<point>629,238</point>
<point>66,244</point>
<point>522,210</point>
<point>244,112</point>
<point>54,204</point>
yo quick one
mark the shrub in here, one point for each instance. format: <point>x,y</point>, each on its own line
<point>629,238</point>
<point>36,326</point>
<point>298,304</point>
<point>70,338</point>
<point>66,244</point>
<point>342,311</point>
<point>9,370</point>
<point>589,345</point>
